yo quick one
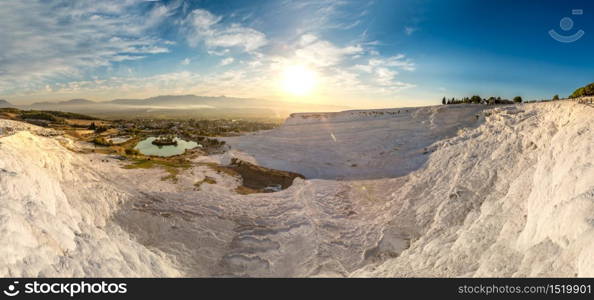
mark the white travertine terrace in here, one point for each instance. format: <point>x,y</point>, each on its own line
<point>458,190</point>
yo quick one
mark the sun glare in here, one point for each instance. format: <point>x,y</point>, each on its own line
<point>298,80</point>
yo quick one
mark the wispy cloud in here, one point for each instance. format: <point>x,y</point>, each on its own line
<point>61,39</point>
<point>186,61</point>
<point>227,61</point>
<point>398,61</point>
<point>409,30</point>
<point>203,26</point>
<point>321,15</point>
<point>60,49</point>
<point>322,53</point>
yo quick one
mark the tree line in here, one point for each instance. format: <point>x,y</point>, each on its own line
<point>476,99</point>
<point>584,91</point>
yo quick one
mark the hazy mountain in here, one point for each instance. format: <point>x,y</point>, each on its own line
<point>67,102</point>
<point>216,102</point>
<point>78,102</point>
<point>184,106</point>
<point>166,100</point>
<point>4,103</point>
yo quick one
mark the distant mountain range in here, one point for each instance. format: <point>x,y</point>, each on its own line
<point>68,102</point>
<point>4,103</point>
<point>183,106</point>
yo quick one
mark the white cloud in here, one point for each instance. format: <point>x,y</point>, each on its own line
<point>323,15</point>
<point>62,39</point>
<point>203,26</point>
<point>398,61</point>
<point>383,71</point>
<point>307,39</point>
<point>240,83</point>
<point>385,76</point>
<point>322,53</point>
<point>219,52</point>
<point>167,83</point>
<point>351,70</point>
<point>202,19</point>
<point>227,61</point>
<point>65,41</point>
<point>238,36</point>
<point>363,68</point>
<point>408,30</point>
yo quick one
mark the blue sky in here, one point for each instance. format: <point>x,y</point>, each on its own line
<point>381,53</point>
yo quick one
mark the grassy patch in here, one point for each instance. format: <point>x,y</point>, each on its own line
<point>173,172</point>
<point>206,179</point>
<point>209,180</point>
<point>151,163</point>
<point>173,167</point>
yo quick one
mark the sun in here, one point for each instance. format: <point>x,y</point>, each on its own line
<point>298,80</point>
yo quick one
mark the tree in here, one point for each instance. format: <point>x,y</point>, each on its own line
<point>518,99</point>
<point>130,151</point>
<point>443,101</point>
<point>476,99</point>
<point>556,97</point>
<point>587,90</point>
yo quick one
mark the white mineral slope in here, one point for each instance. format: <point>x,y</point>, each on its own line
<point>64,213</point>
<point>514,197</point>
<point>54,214</point>
<point>358,144</point>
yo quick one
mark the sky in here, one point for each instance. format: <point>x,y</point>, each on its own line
<point>362,54</point>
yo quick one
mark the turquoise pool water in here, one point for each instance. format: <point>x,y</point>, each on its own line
<point>147,148</point>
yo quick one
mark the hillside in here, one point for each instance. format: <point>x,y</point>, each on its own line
<point>4,103</point>
<point>506,194</point>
